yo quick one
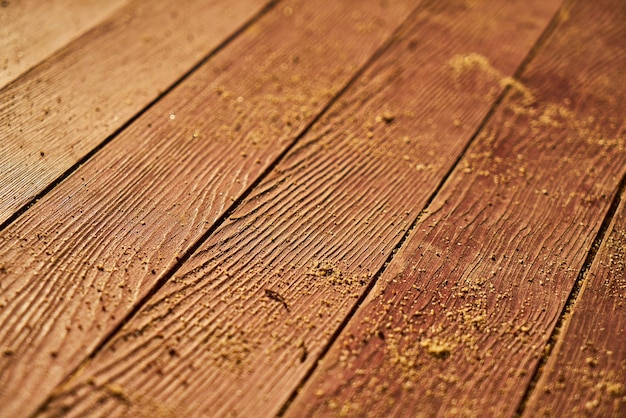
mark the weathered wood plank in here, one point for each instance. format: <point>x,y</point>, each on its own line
<point>586,373</point>
<point>243,320</point>
<point>78,261</point>
<point>459,319</point>
<point>30,31</point>
<point>61,110</point>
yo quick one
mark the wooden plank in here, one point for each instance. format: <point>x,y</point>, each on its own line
<point>243,320</point>
<point>30,31</point>
<point>61,110</point>
<point>81,258</point>
<point>586,373</point>
<point>458,321</point>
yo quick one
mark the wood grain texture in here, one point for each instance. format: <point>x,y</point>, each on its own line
<point>586,373</point>
<point>459,319</point>
<point>78,261</point>
<point>30,31</point>
<point>241,323</point>
<point>69,104</point>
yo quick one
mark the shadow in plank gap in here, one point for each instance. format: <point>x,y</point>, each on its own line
<point>82,258</point>
<point>244,320</point>
<point>460,318</point>
<point>586,373</point>
<point>57,113</point>
<point>30,31</point>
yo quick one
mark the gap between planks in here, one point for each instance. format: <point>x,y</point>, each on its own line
<point>68,104</point>
<point>573,298</point>
<point>31,31</point>
<point>89,155</point>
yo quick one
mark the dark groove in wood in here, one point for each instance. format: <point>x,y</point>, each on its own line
<point>132,120</point>
<point>543,38</point>
<point>100,80</point>
<point>533,51</point>
<point>39,38</point>
<point>572,299</point>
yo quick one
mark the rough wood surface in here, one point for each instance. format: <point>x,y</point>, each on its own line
<point>77,262</point>
<point>69,104</point>
<point>586,373</point>
<point>459,319</point>
<point>31,30</point>
<point>241,323</point>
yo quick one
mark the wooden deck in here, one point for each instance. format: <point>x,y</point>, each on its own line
<point>312,208</point>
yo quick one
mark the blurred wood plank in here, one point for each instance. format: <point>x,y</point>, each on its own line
<point>459,319</point>
<point>67,106</point>
<point>31,30</point>
<point>586,373</point>
<point>244,320</point>
<point>77,262</point>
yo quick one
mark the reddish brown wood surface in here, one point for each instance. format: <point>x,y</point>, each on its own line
<point>69,104</point>
<point>77,262</point>
<point>586,373</point>
<point>459,319</point>
<point>30,31</point>
<point>243,320</point>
